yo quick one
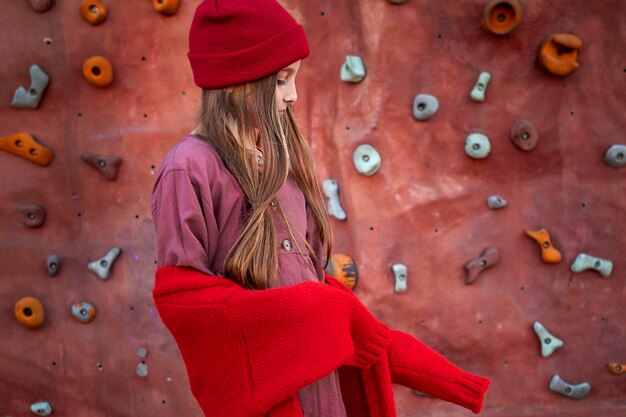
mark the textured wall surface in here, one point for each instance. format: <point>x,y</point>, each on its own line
<point>425,208</point>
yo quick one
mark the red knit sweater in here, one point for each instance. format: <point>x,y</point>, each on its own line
<point>247,353</point>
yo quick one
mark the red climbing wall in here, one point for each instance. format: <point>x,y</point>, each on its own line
<point>425,208</point>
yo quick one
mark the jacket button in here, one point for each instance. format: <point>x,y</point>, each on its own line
<point>287,245</point>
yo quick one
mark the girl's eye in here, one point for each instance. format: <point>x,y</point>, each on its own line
<point>282,82</point>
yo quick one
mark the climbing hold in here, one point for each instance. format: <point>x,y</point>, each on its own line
<point>478,92</point>
<point>489,258</point>
<point>366,160</point>
<point>142,352</point>
<point>400,272</point>
<point>616,156</point>
<point>425,106</point>
<point>477,146</point>
<point>616,368</point>
<point>549,343</point>
<point>558,53</point>
<point>576,391</point>
<point>107,165</point>
<point>548,253</point>
<point>353,69</point>
<point>98,71</point>
<point>166,7</point>
<point>142,369</point>
<point>584,262</point>
<point>102,266</point>
<point>41,408</point>
<point>26,146</point>
<point>53,263</point>
<point>83,312</point>
<point>524,135</point>
<point>501,16</point>
<point>331,191</point>
<point>34,214</point>
<point>30,99</point>
<point>29,312</point>
<point>93,11</point>
<point>41,6</point>
<point>343,268</point>
<point>496,202</point>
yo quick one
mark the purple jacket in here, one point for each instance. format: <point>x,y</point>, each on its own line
<point>197,207</point>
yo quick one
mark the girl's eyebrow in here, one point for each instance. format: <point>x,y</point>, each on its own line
<point>287,69</point>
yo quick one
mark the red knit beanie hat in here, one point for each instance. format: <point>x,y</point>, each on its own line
<point>235,41</point>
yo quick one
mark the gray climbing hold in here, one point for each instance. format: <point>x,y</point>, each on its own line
<point>477,146</point>
<point>478,92</point>
<point>142,352</point>
<point>41,409</point>
<point>30,99</point>
<point>331,191</point>
<point>400,272</point>
<point>102,267</point>
<point>425,106</point>
<point>53,263</point>
<point>142,369</point>
<point>366,160</point>
<point>584,262</point>
<point>549,343</point>
<point>353,69</point>
<point>576,391</point>
<point>83,312</point>
<point>495,202</point>
<point>616,156</point>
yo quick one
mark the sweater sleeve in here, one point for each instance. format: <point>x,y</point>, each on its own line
<point>415,365</point>
<point>289,336</point>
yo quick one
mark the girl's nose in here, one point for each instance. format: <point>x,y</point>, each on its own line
<point>292,95</point>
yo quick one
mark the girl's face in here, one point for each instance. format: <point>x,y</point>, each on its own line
<point>286,87</point>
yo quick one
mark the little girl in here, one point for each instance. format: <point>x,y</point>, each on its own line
<point>243,235</point>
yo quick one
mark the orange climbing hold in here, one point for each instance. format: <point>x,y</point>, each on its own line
<point>616,368</point>
<point>343,268</point>
<point>98,71</point>
<point>501,16</point>
<point>166,7</point>
<point>558,53</point>
<point>26,146</point>
<point>93,11</point>
<point>30,312</point>
<point>548,253</point>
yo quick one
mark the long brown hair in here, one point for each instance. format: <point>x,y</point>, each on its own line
<point>227,121</point>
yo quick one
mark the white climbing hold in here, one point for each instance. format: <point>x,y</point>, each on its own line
<point>400,272</point>
<point>102,267</point>
<point>353,69</point>
<point>477,146</point>
<point>478,92</point>
<point>549,343</point>
<point>425,106</point>
<point>616,156</point>
<point>41,409</point>
<point>576,391</point>
<point>366,160</point>
<point>496,202</point>
<point>142,369</point>
<point>30,99</point>
<point>331,191</point>
<point>584,262</point>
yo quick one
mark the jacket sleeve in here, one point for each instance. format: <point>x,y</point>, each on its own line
<point>288,337</point>
<point>415,365</point>
<point>179,215</point>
